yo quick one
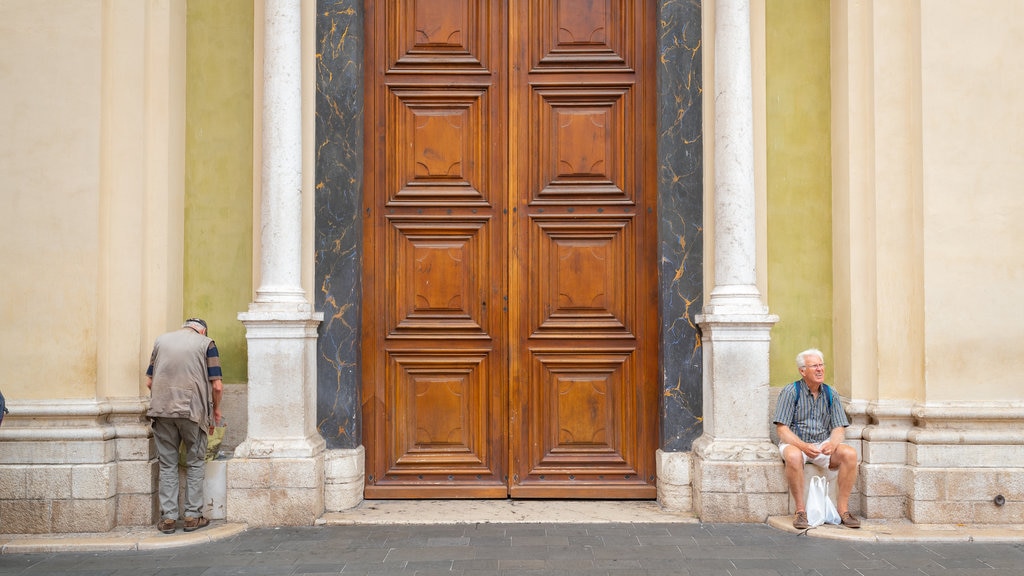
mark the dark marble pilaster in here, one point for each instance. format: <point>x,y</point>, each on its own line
<point>339,231</point>
<point>680,210</point>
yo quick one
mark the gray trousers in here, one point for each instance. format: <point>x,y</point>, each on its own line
<point>169,433</point>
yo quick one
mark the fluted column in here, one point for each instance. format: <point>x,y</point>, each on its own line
<point>277,474</point>
<point>734,456</point>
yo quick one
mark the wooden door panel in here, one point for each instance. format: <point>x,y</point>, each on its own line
<point>580,34</point>
<point>585,341</point>
<point>446,35</point>
<point>435,391</point>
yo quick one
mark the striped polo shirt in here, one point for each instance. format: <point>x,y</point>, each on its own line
<point>809,418</point>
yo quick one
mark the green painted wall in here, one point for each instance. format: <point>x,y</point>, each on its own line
<point>218,173</point>
<point>799,168</point>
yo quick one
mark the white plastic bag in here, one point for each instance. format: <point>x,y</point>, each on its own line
<point>820,509</point>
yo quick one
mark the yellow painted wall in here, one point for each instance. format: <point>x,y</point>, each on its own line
<point>799,181</point>
<point>218,173</point>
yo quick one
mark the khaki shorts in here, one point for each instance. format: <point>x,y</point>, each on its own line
<point>821,460</point>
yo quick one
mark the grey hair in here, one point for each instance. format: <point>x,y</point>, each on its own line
<point>809,352</point>
<point>196,324</point>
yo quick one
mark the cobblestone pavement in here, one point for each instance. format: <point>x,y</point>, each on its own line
<point>516,549</point>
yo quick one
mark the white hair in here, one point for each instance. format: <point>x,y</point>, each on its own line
<point>809,352</point>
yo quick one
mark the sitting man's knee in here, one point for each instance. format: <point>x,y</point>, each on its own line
<point>846,455</point>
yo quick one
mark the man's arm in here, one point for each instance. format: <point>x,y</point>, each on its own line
<point>218,390</point>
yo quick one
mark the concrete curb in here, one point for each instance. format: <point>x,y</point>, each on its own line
<point>138,538</point>
<point>902,531</point>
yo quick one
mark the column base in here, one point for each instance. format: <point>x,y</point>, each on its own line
<point>738,481</point>
<point>280,448</point>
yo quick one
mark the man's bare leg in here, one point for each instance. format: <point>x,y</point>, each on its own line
<point>794,459</point>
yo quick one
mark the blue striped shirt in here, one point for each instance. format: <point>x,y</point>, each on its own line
<point>810,418</point>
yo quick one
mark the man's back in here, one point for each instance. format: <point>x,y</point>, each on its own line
<point>181,386</point>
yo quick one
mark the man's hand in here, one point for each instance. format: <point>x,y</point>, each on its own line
<point>813,451</point>
<point>830,446</point>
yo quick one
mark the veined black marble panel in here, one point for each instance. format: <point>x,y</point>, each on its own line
<point>339,231</point>
<point>681,228</point>
<point>339,186</point>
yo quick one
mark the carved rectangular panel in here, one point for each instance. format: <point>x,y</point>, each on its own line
<point>452,35</point>
<point>581,277</point>
<point>582,34</point>
<point>581,432</point>
<point>438,277</point>
<point>439,144</point>
<point>580,135</point>
<point>443,415</point>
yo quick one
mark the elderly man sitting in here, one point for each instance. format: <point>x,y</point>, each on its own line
<point>811,424</point>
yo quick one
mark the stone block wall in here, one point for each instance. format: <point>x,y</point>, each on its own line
<point>59,466</point>
<point>943,463</point>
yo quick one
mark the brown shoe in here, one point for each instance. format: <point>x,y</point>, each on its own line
<point>166,526</point>
<point>849,520</point>
<point>196,523</point>
<point>800,521</point>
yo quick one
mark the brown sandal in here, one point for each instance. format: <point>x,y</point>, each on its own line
<point>167,526</point>
<point>196,523</point>
<point>849,520</point>
<point>800,521</point>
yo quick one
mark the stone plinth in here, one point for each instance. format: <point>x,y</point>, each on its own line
<point>344,476</point>
<point>275,491</point>
<point>675,488</point>
<point>737,480</point>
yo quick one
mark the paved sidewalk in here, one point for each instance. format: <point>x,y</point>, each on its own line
<point>524,538</point>
<point>527,549</point>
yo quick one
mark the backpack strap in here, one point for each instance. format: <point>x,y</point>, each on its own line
<point>828,395</point>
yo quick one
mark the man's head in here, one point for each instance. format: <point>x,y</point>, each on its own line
<point>811,364</point>
<point>197,324</point>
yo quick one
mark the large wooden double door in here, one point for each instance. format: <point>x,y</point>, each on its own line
<point>510,284</point>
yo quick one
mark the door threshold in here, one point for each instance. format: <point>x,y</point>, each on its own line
<point>505,511</point>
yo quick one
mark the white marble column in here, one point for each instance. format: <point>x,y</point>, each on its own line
<point>735,288</point>
<point>281,209</point>
<point>734,459</point>
<point>276,476</point>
